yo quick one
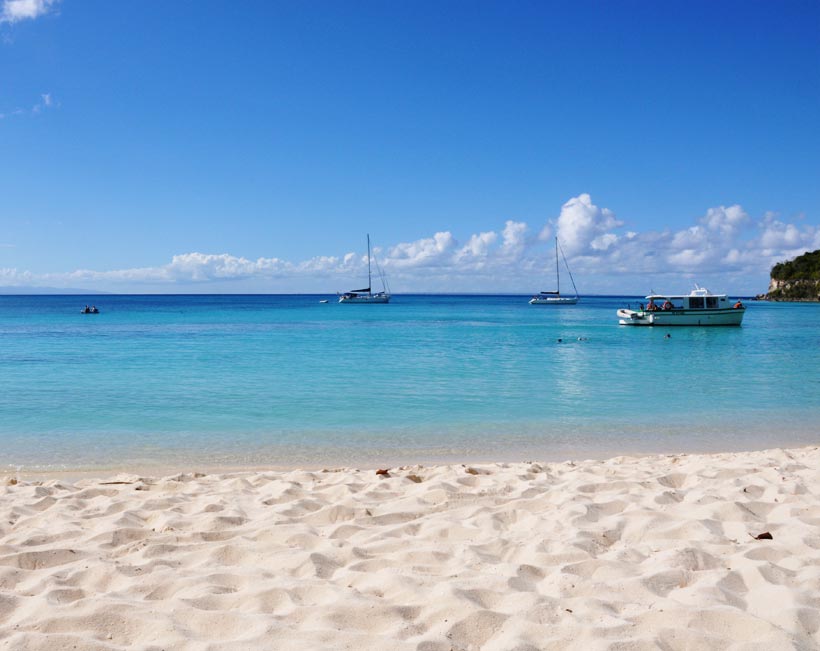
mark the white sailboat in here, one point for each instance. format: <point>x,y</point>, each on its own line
<point>555,298</point>
<point>366,295</point>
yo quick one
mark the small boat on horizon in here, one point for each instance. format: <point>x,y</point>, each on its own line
<point>698,308</point>
<point>555,298</point>
<point>366,295</point>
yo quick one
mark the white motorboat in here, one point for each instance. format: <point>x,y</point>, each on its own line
<point>698,308</point>
<point>555,298</point>
<point>366,295</point>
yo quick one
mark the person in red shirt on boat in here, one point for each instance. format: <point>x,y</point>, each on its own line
<point>651,307</point>
<point>738,305</point>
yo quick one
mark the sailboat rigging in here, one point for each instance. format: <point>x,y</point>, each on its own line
<point>555,298</point>
<point>366,294</point>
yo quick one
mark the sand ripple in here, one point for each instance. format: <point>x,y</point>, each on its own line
<point>629,553</point>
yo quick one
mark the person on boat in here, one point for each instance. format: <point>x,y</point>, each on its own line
<point>651,307</point>
<point>667,305</point>
<point>738,305</point>
<point>86,310</point>
<point>94,310</point>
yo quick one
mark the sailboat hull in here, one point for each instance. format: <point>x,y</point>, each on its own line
<point>554,300</point>
<point>373,298</point>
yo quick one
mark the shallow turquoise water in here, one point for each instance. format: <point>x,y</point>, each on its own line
<point>284,380</point>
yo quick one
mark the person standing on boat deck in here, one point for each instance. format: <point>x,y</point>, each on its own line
<point>651,307</point>
<point>738,305</point>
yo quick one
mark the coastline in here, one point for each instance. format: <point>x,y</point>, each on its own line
<point>655,551</point>
<point>593,445</point>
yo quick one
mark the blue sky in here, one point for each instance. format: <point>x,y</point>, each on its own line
<point>223,146</point>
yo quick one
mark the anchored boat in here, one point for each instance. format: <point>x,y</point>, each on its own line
<point>365,295</point>
<point>698,308</point>
<point>555,298</point>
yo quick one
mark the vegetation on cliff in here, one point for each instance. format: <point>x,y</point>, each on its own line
<point>796,280</point>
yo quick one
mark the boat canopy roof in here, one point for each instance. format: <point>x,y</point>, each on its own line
<point>698,291</point>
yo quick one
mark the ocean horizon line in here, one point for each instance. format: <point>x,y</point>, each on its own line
<point>488,294</point>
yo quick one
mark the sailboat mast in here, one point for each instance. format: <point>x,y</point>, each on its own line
<point>557,275</point>
<point>369,282</point>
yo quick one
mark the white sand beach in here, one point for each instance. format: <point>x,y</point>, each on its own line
<point>629,553</point>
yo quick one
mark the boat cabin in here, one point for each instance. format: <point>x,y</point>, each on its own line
<point>698,308</point>
<point>699,299</point>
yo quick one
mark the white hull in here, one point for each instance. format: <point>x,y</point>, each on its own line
<point>688,317</point>
<point>374,298</point>
<point>554,301</point>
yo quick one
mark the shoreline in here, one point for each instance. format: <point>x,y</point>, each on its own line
<point>658,551</point>
<point>354,458</point>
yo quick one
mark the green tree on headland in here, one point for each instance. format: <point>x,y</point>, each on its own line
<point>796,280</point>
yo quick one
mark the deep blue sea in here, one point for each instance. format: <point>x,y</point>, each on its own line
<point>238,381</point>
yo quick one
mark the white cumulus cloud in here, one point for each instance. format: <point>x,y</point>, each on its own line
<point>603,242</point>
<point>727,221</point>
<point>478,246</point>
<point>581,222</point>
<point>198,267</point>
<point>14,277</point>
<point>16,10</point>
<point>427,251</point>
<point>777,235</point>
<point>514,237</point>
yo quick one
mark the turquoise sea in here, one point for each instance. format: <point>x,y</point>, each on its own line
<point>187,381</point>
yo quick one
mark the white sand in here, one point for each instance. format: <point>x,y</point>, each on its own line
<point>630,553</point>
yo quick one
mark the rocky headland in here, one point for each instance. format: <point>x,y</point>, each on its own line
<point>795,280</point>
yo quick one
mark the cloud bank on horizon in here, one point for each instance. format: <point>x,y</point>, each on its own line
<point>725,245</point>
